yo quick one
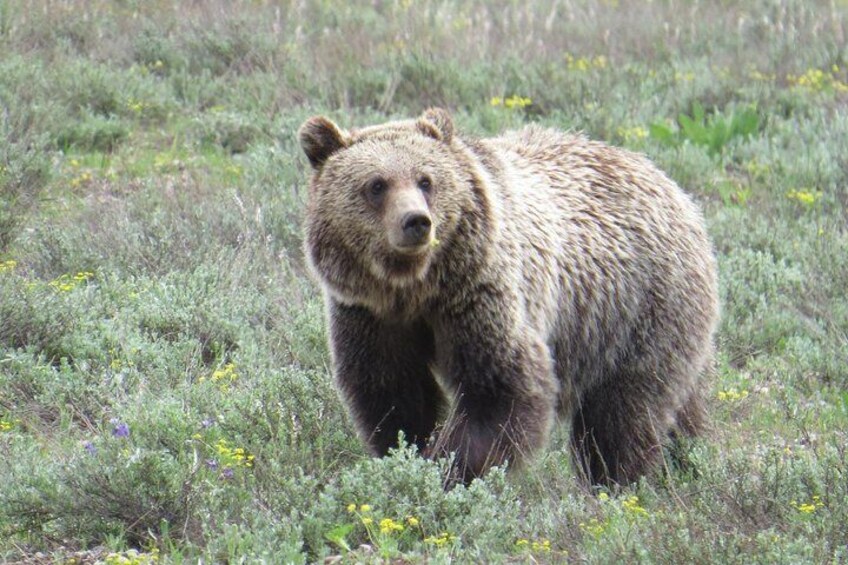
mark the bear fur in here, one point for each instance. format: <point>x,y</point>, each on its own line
<point>496,285</point>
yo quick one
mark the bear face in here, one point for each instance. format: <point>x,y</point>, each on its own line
<point>388,197</point>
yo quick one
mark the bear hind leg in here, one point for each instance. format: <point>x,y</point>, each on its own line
<point>691,422</point>
<point>616,435</point>
<point>692,416</point>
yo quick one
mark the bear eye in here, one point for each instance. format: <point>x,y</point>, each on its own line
<point>377,188</point>
<point>425,184</point>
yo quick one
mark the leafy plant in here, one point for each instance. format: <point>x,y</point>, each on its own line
<point>712,132</point>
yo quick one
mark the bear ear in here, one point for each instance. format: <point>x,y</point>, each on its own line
<point>320,138</point>
<point>436,123</point>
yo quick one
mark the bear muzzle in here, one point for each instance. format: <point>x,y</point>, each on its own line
<point>409,223</point>
<point>412,233</point>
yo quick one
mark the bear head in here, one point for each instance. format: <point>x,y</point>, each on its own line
<point>382,200</point>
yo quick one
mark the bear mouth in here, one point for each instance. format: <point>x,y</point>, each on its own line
<point>409,251</point>
<point>403,266</point>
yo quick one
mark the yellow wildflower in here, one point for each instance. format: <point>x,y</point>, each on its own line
<point>808,507</point>
<point>817,80</point>
<point>511,103</point>
<point>517,102</point>
<point>133,557</point>
<point>225,376</point>
<point>805,196</point>
<point>83,276</point>
<point>233,457</point>
<point>732,395</point>
<point>227,372</point>
<point>135,106</point>
<point>67,283</point>
<point>83,178</point>
<point>636,133</point>
<point>573,64</point>
<point>583,64</point>
<point>542,545</point>
<point>594,527</point>
<point>537,546</point>
<point>441,540</point>
<point>632,506</point>
<point>388,526</point>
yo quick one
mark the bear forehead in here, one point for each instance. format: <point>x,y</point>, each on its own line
<point>403,128</point>
<point>389,155</point>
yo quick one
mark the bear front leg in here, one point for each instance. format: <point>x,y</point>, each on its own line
<point>383,373</point>
<point>505,392</point>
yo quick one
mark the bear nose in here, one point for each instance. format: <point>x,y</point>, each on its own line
<point>416,227</point>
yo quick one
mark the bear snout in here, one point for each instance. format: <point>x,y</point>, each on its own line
<point>416,229</point>
<point>408,222</point>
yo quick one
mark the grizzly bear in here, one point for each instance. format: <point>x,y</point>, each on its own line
<point>497,284</point>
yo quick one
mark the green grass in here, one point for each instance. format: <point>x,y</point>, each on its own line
<point>152,279</point>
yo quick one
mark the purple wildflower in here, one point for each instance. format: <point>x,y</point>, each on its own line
<point>212,464</point>
<point>207,423</point>
<point>227,473</point>
<point>121,429</point>
<point>90,447</point>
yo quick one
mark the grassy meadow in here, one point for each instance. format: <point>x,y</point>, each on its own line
<point>165,394</point>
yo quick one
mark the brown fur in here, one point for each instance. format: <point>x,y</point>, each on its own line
<point>568,278</point>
